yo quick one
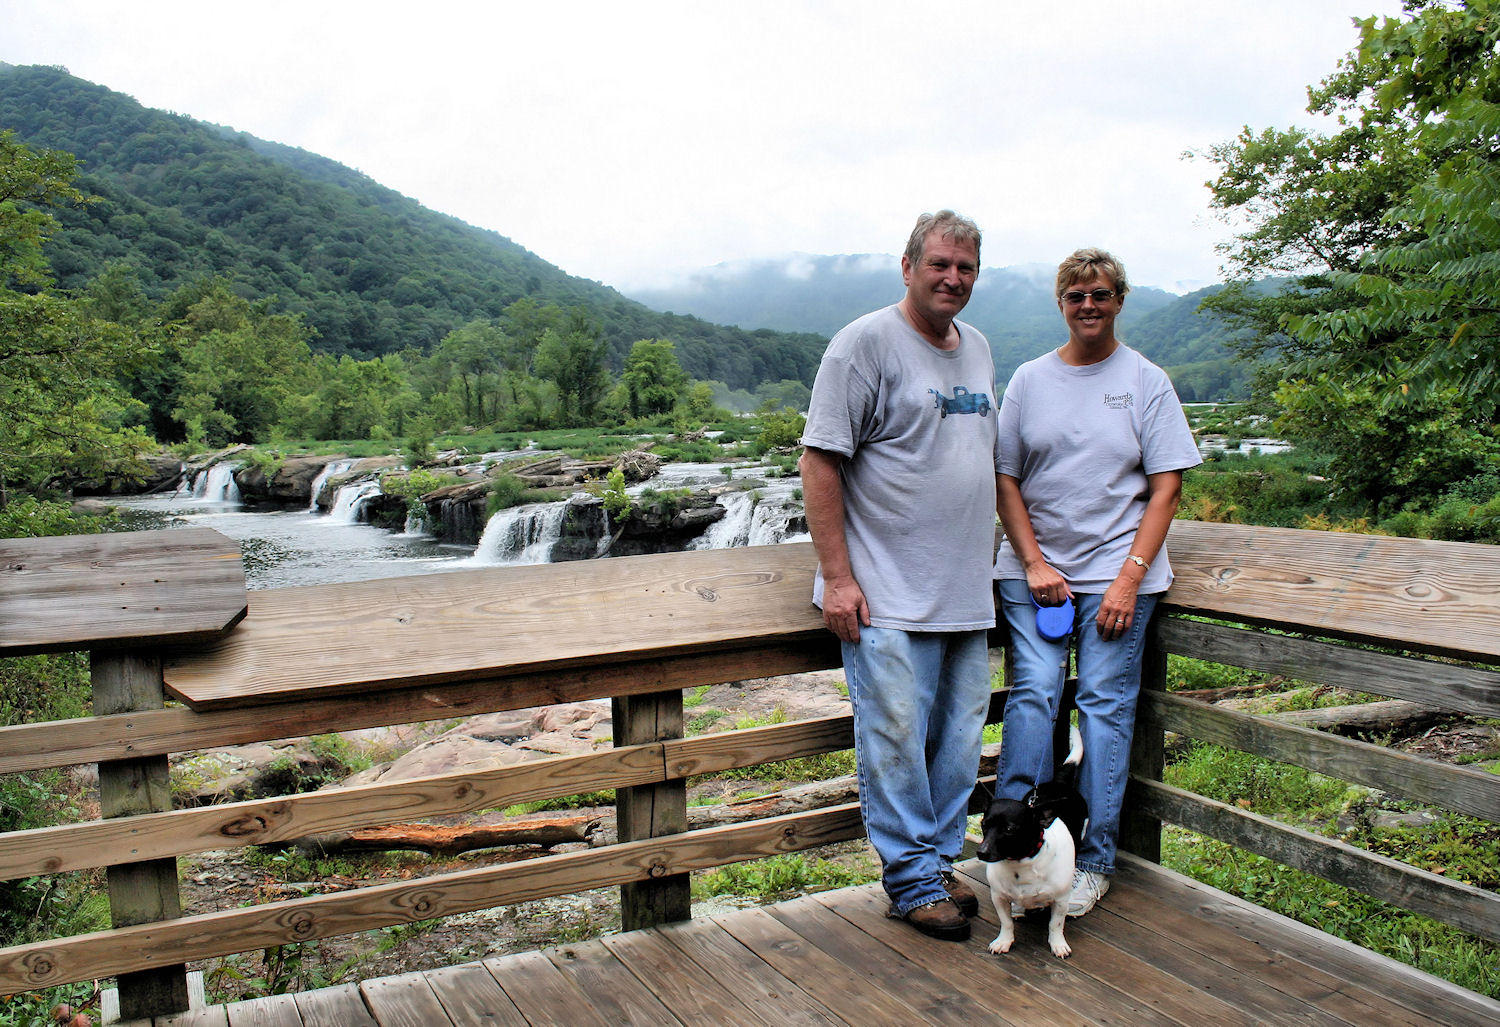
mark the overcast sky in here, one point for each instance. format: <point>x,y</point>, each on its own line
<point>632,142</point>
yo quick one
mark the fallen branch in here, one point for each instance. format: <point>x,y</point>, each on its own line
<point>1391,716</point>
<point>451,841</point>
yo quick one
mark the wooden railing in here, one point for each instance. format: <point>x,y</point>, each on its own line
<point>165,613</point>
<point>1401,618</point>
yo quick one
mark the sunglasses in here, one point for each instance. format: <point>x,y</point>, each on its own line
<point>1074,298</point>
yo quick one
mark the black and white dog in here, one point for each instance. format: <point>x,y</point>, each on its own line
<point>1030,847</point>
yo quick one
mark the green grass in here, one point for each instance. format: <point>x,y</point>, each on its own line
<point>781,877</point>
<point>1457,847</point>
<point>585,800</point>
<point>802,770</point>
<point>1408,937</point>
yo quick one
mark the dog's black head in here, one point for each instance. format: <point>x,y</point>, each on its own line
<point>1012,830</point>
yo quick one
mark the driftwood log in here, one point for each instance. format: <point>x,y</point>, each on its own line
<point>593,828</point>
<point>1392,716</point>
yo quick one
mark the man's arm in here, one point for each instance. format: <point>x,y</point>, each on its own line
<point>844,606</point>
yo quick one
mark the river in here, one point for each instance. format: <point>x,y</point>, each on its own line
<point>284,548</point>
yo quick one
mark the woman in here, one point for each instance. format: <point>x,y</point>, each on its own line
<point>1093,444</point>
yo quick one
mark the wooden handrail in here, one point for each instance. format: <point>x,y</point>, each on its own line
<point>336,658</point>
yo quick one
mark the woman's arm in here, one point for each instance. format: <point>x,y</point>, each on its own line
<point>1045,583</point>
<point>1117,611</point>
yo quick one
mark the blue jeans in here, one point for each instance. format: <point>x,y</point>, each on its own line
<point>919,706</point>
<point>1109,682</point>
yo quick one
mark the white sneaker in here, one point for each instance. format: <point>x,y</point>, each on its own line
<point>1088,888</point>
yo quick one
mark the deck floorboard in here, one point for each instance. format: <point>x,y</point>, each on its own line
<point>1160,949</point>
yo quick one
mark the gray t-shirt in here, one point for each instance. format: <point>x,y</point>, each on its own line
<point>1081,441</point>
<point>916,426</point>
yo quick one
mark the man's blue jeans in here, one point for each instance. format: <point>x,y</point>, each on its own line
<point>919,706</point>
<point>1109,682</point>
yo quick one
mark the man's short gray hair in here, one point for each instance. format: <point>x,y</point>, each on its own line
<point>947,225</point>
<point>1087,264</point>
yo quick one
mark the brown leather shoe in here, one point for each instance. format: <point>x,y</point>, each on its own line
<point>962,895</point>
<point>940,920</point>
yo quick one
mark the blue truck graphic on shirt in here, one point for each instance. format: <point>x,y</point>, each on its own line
<point>962,402</point>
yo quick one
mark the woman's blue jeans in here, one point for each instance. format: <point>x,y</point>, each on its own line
<point>1109,682</point>
<point>919,706</point>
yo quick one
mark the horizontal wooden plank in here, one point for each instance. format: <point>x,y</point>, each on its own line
<point>302,643</point>
<point>1461,905</point>
<point>117,590</point>
<point>61,743</point>
<point>726,750</point>
<point>1415,594</point>
<point>106,953</point>
<point>1443,685</point>
<point>1464,789</point>
<point>267,821</point>
<point>97,843</point>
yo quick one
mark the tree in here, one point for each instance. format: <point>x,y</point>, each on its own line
<point>240,365</point>
<point>573,360</point>
<point>654,381</point>
<point>1383,344</point>
<point>62,412</point>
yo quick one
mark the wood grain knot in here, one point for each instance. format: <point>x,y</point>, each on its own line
<point>658,870</point>
<point>1223,576</point>
<point>249,824</point>
<point>707,594</point>
<point>301,923</point>
<point>423,906</point>
<point>38,966</point>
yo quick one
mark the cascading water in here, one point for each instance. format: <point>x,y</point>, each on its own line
<point>329,470</point>
<point>216,485</point>
<point>348,500</point>
<point>522,534</point>
<point>773,517</point>
<point>733,529</point>
<point>760,517</point>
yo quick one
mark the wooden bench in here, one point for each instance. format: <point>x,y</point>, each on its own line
<point>639,630</point>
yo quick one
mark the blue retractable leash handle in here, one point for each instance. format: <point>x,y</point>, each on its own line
<point>1054,623</point>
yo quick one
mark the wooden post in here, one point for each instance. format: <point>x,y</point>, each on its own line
<point>650,811</point>
<point>1139,833</point>
<point>125,681</point>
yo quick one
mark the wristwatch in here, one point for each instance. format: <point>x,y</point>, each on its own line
<point>1139,562</point>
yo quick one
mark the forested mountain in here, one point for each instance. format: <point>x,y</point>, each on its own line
<point>1013,306</point>
<point>372,271</point>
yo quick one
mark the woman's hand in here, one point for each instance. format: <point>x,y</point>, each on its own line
<point>1117,610</point>
<point>1047,586</point>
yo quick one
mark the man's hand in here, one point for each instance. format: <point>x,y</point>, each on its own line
<point>844,608</point>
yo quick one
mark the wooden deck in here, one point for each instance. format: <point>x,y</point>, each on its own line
<point>1159,949</point>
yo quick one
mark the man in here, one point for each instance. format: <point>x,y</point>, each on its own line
<point>898,479</point>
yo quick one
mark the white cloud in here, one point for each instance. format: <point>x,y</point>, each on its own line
<point>633,142</point>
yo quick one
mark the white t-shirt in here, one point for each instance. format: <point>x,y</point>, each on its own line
<point>1081,441</point>
<point>916,426</point>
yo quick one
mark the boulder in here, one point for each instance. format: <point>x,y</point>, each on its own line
<point>150,474</point>
<point>290,480</point>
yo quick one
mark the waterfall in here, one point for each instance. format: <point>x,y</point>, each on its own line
<point>216,484</point>
<point>521,534</point>
<point>329,470</point>
<point>733,529</point>
<point>348,500</point>
<point>773,517</point>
